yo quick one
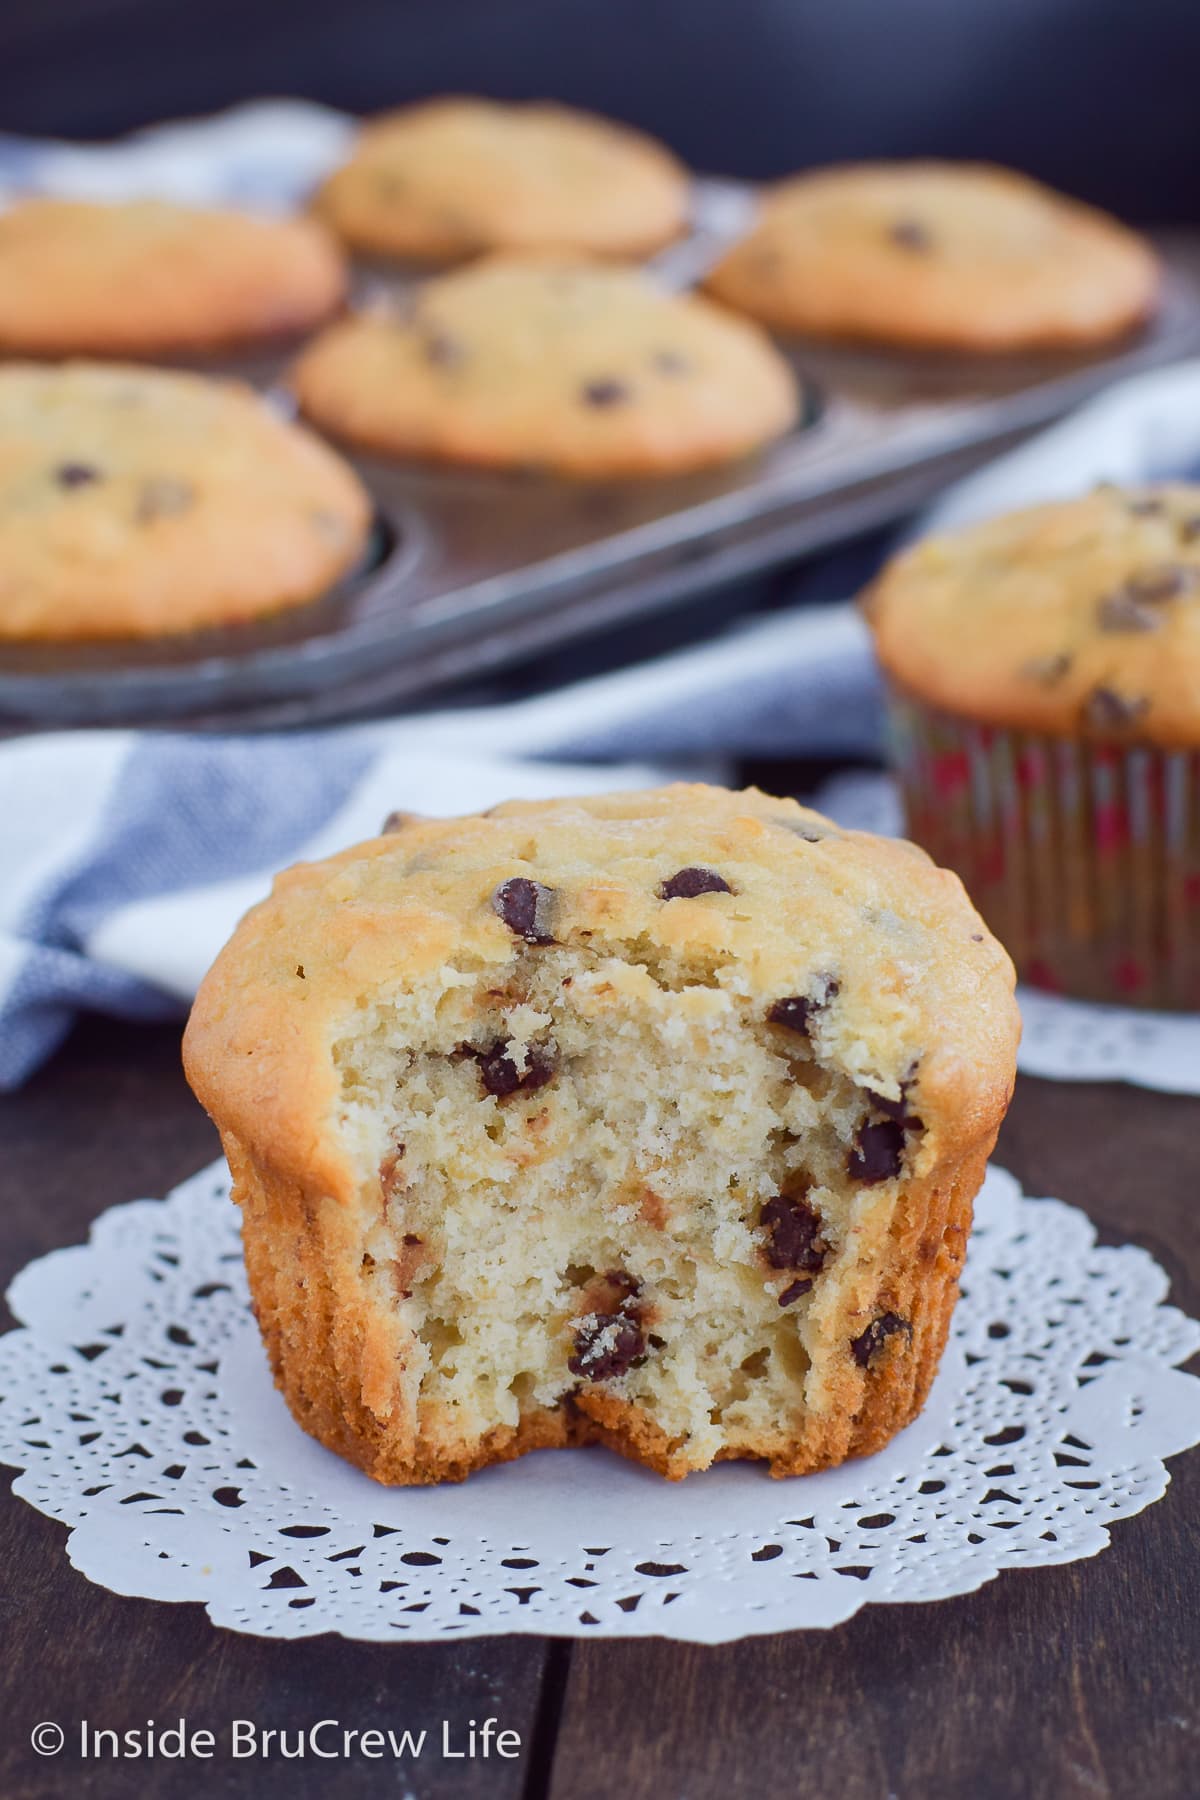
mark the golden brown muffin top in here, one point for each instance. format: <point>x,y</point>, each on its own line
<point>144,277</point>
<point>537,362</point>
<point>952,255</point>
<point>451,177</point>
<point>137,502</point>
<point>1079,618</point>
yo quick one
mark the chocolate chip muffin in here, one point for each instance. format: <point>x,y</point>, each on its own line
<point>938,255</point>
<point>538,364</point>
<point>1045,669</point>
<point>653,1119</point>
<point>453,177</point>
<point>149,278</point>
<point>139,503</point>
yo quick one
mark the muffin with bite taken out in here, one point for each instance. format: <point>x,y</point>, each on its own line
<point>653,1119</point>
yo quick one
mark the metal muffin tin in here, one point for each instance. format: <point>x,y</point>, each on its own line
<point>470,571</point>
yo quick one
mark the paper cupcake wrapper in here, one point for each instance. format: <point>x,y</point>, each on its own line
<point>1083,858</point>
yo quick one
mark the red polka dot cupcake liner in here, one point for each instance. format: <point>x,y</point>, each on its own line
<point>1083,858</point>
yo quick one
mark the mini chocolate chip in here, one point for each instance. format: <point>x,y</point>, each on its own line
<point>872,1340</point>
<point>410,1238</point>
<point>797,1290</point>
<point>671,362</point>
<point>791,1013</point>
<point>607,1345</point>
<point>1106,710</point>
<point>501,1076</point>
<point>804,828</point>
<point>162,498</point>
<point>605,393</point>
<point>794,1012</point>
<point>1146,506</point>
<point>1122,612</point>
<point>1189,529</point>
<point>878,1153</point>
<point>526,908</point>
<point>794,1234</point>
<point>397,821</point>
<point>443,351</point>
<point>685,884</point>
<point>910,234</point>
<point>1047,670</point>
<point>73,475</point>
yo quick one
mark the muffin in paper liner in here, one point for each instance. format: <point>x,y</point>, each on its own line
<point>1083,857</point>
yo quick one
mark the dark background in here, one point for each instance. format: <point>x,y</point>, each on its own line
<point>1096,96</point>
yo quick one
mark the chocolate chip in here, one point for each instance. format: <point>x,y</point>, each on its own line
<point>794,1238</point>
<point>411,1238</point>
<point>794,1012</point>
<point>1106,710</point>
<point>806,829</point>
<point>878,1153</point>
<point>526,908</point>
<point>910,234</point>
<point>162,498</point>
<point>1189,530</point>
<point>685,884</point>
<point>442,350</point>
<point>1047,670</point>
<point>896,1110</point>
<point>1146,506</point>
<point>796,1292</point>
<point>73,475</point>
<point>605,393</point>
<point>607,1345</point>
<point>397,821</point>
<point>872,1340</point>
<point>501,1077</point>
<point>1122,612</point>
<point>671,362</point>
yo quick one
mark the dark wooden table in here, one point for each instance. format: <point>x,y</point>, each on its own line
<point>1081,1681</point>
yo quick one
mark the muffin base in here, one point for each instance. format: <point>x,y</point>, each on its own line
<point>336,1354</point>
<point>1083,858</point>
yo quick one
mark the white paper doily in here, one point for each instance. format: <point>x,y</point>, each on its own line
<point>138,1403</point>
<point>1063,1040</point>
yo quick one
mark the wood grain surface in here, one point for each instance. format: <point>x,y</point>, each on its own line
<point>1081,1681</point>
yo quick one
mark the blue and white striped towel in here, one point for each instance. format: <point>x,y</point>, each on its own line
<point>126,858</point>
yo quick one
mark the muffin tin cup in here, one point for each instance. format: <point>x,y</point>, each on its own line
<point>1084,859</point>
